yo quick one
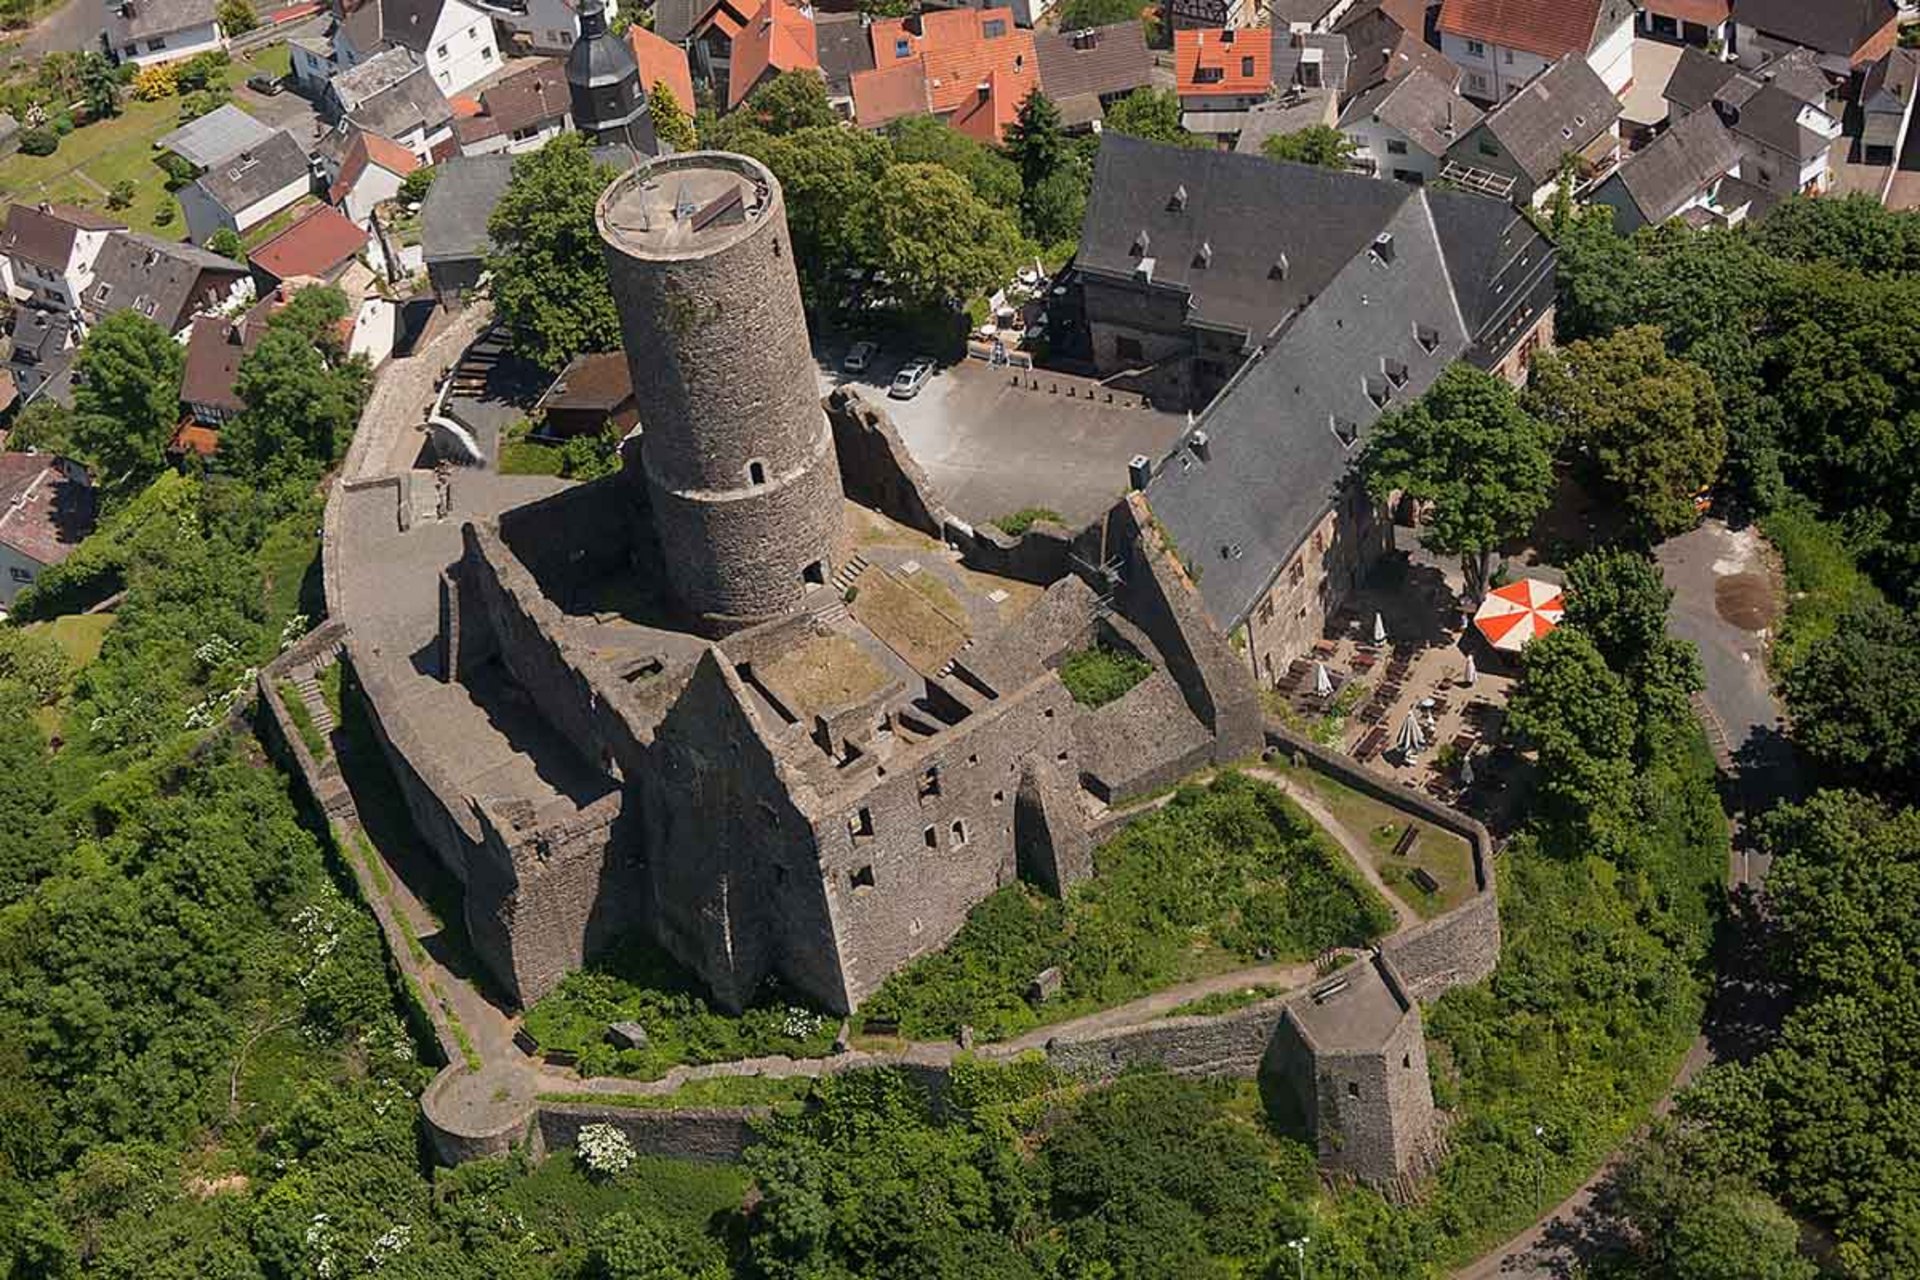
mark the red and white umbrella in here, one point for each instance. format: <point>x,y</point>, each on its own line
<point>1512,615</point>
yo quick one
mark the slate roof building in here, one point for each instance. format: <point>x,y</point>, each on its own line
<point>164,280</point>
<point>591,393</point>
<point>1385,40</point>
<point>453,222</point>
<point>1085,72</point>
<point>1842,34</point>
<point>245,189</point>
<point>1886,105</point>
<point>1517,150</point>
<point>46,510</point>
<point>41,358</point>
<point>1403,128</point>
<point>609,102</point>
<point>1695,22</point>
<point>519,113</point>
<point>148,31</point>
<point>1684,169</point>
<point>392,95</point>
<point>1368,293</point>
<point>211,138</point>
<point>840,40</point>
<point>1500,45</point>
<point>214,351</point>
<point>1778,114</point>
<point>1190,261</point>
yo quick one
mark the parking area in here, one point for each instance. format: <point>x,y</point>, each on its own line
<point>996,444</point>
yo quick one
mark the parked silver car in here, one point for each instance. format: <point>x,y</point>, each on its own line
<point>912,376</point>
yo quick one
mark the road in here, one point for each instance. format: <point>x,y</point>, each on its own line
<point>1726,600</point>
<point>75,25</point>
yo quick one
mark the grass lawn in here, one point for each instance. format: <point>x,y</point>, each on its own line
<point>529,458</point>
<point>254,237</point>
<point>94,157</point>
<point>1446,857</point>
<point>79,635</point>
<point>1822,583</point>
<point>909,621</point>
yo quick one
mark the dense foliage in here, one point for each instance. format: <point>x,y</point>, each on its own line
<point>1222,875</point>
<point>1319,144</point>
<point>549,270</point>
<point>1096,676</point>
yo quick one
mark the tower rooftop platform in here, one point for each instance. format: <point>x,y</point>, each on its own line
<point>686,205</point>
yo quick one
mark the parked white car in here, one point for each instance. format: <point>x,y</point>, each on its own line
<point>860,357</point>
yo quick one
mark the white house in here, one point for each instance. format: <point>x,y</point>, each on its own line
<point>52,249</point>
<point>455,40</point>
<point>393,95</point>
<point>149,31</point>
<point>1403,128</point>
<point>247,188</point>
<point>1500,45</point>
<point>370,172</point>
<point>538,26</point>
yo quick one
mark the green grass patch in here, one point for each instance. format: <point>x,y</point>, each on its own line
<point>79,636</point>
<point>1024,519</point>
<point>1221,877</point>
<point>287,558</point>
<point>329,682</point>
<point>565,1201</point>
<point>375,864</point>
<point>642,984</point>
<point>530,458</point>
<point>723,1091</point>
<point>275,59</point>
<point>1823,582</point>
<point>1101,674</point>
<point>253,237</point>
<point>1225,1001</point>
<point>1377,826</point>
<point>302,717</point>
<point>459,1028</point>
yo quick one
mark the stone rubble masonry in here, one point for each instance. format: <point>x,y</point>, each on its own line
<point>318,649</point>
<point>717,1135</point>
<point>877,470</point>
<point>1050,844</point>
<point>737,452</point>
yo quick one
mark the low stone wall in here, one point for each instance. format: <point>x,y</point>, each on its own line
<point>1226,1044</point>
<point>437,806</point>
<point>876,468</point>
<point>456,1140</point>
<point>712,1134</point>
<point>1043,554</point>
<point>324,783</point>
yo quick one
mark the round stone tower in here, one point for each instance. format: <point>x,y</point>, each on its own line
<point>735,448</point>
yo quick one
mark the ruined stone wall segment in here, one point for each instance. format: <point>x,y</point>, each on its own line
<point>738,456</point>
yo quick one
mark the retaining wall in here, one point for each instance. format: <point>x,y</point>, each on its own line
<point>713,1134</point>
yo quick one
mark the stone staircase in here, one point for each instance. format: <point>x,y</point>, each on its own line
<point>308,686</point>
<point>847,573</point>
<point>833,605</point>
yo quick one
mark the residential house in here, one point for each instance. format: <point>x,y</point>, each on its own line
<point>1684,169</point>
<point>592,393</point>
<point>1518,150</point>
<point>1190,15</point>
<point>520,113</point>
<point>1086,72</point>
<point>778,37</point>
<point>1191,259</point>
<point>52,249</point>
<point>370,172</point>
<point>215,349</point>
<point>320,245</point>
<point>1385,40</point>
<point>392,94</point>
<point>245,189</point>
<point>841,41</point>
<point>1500,45</point>
<point>143,32</point>
<point>674,20</point>
<point>452,39</point>
<point>663,62</point>
<point>1779,114</point>
<point>1280,116</point>
<point>1842,34</point>
<point>710,42</point>
<point>1220,76</point>
<point>453,222</point>
<point>47,508</point>
<point>537,26</point>
<point>1705,24</point>
<point>1404,128</point>
<point>352,36</point>
<point>970,67</point>
<point>166,281</point>
<point>206,140</point>
<point>40,360</point>
<point>1353,296</point>
<point>1886,105</point>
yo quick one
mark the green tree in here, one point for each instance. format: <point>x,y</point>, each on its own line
<point>227,243</point>
<point>1318,144</point>
<point>627,1246</point>
<point>1467,447</point>
<point>670,124</point>
<point>791,100</point>
<point>938,241</point>
<point>1077,15</point>
<point>1054,178</point>
<point>127,397</point>
<point>1693,1221</point>
<point>28,848</point>
<point>414,187</point>
<point>1579,716</point>
<point>236,17</point>
<point>1620,600</point>
<point>1153,114</point>
<point>923,139</point>
<point>303,393</point>
<point>1855,697</point>
<point>819,168</point>
<point>45,425</point>
<point>99,87</point>
<point>1648,425</point>
<point>549,272</point>
<point>1035,140</point>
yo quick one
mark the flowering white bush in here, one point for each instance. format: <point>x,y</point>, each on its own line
<point>391,1241</point>
<point>800,1023</point>
<point>604,1149</point>
<point>295,628</point>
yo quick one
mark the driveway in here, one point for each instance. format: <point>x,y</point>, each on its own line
<point>994,447</point>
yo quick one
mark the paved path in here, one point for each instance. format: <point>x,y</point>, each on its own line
<point>1726,601</point>
<point>1357,851</point>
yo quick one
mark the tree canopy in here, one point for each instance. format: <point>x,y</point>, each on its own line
<point>671,124</point>
<point>549,270</point>
<point>1153,114</point>
<point>935,239</point>
<point>127,396</point>
<point>302,392</point>
<point>1318,144</point>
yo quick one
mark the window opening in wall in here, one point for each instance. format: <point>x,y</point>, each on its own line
<point>1353,1090</point>
<point>930,782</point>
<point>779,874</point>
<point>959,833</point>
<point>972,760</point>
<point>860,825</point>
<point>756,472</point>
<point>999,798</point>
<point>815,573</point>
<point>1406,1060</point>
<point>933,841</point>
<point>861,877</point>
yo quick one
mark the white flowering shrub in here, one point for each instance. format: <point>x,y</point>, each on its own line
<point>801,1023</point>
<point>605,1150</point>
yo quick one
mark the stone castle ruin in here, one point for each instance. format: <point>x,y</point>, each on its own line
<point>758,699</point>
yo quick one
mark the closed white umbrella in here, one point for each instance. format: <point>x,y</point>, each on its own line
<point>1413,737</point>
<point>1322,682</point>
<point>1379,629</point>
<point>1473,671</point>
<point>1466,771</point>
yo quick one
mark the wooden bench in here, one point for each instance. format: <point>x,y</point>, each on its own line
<point>1424,878</point>
<point>1407,838</point>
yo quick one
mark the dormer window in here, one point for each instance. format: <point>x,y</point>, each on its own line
<point>1378,389</point>
<point>1177,201</point>
<point>1246,66</point>
<point>1427,336</point>
<point>993,28</point>
<point>1141,243</point>
<point>1345,430</point>
<point>1204,254</point>
<point>1395,370</point>
<point>1209,75</point>
<point>902,48</point>
<point>1280,268</point>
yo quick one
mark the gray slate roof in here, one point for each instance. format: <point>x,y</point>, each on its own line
<point>843,47</point>
<point>1291,114</point>
<point>1379,48</point>
<point>453,218</point>
<point>1248,211</point>
<point>245,178</point>
<point>409,23</point>
<point>1689,157</point>
<point>1562,109</point>
<point>391,94</point>
<point>158,278</point>
<point>222,132</point>
<point>1772,118</point>
<point>144,19</point>
<point>673,19</point>
<point>1420,105</point>
<point>1293,54</point>
<point>1456,269</point>
<point>1829,26</point>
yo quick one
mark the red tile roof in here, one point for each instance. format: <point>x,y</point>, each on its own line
<point>887,93</point>
<point>365,149</point>
<point>779,37</point>
<point>1550,28</point>
<point>972,66</point>
<point>314,246</point>
<point>1705,13</point>
<point>1216,63</point>
<point>46,506</point>
<point>661,59</point>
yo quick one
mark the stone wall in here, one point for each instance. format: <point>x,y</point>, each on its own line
<point>1043,554</point>
<point>1227,1044</point>
<point>712,1134</point>
<point>318,648</point>
<point>876,468</point>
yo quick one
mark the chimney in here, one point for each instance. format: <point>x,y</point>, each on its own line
<point>1139,471</point>
<point>1199,444</point>
<point>1383,247</point>
<point>1176,203</point>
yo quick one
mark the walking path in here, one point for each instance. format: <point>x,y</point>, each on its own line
<point>1356,848</point>
<point>1726,601</point>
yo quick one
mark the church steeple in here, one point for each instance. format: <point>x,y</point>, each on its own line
<point>609,102</point>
